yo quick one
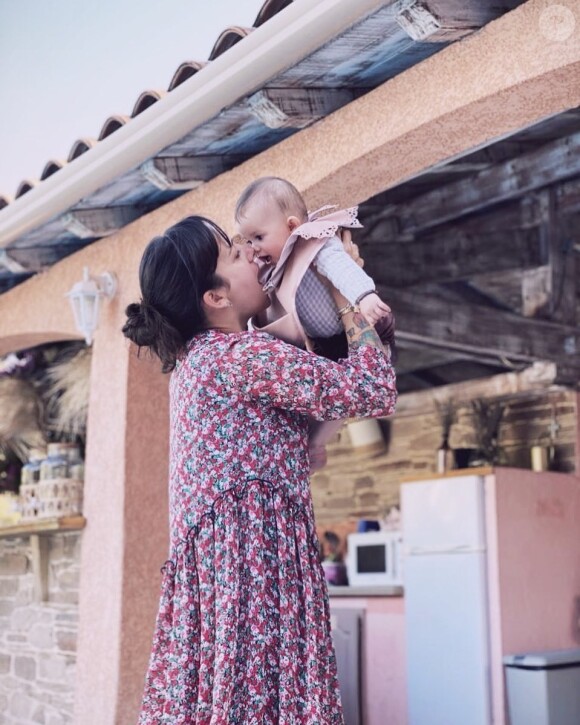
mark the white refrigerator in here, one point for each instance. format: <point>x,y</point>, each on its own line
<point>446,602</point>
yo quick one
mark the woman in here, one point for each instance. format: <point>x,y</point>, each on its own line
<point>243,634</point>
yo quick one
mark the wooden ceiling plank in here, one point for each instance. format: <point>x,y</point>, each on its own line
<point>478,329</point>
<point>550,164</point>
<point>452,257</point>
<point>551,292</point>
<point>539,376</point>
<point>568,197</point>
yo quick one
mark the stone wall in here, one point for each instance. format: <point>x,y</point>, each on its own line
<point>354,486</point>
<point>38,639</point>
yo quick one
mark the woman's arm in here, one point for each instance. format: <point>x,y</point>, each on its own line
<point>274,373</point>
<point>357,330</point>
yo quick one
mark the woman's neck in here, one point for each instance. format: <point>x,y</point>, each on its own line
<point>229,326</point>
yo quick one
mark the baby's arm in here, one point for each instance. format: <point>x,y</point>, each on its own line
<point>334,263</point>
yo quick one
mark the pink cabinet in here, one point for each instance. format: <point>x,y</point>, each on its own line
<point>384,693</point>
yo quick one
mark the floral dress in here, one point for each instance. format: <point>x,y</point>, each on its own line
<point>243,632</point>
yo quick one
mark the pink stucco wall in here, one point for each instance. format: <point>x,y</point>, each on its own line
<point>534,542</point>
<point>503,78</point>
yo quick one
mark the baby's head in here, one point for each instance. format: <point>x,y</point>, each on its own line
<point>267,212</point>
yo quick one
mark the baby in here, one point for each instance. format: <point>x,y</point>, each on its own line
<point>291,247</point>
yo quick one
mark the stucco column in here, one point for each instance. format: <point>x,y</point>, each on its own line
<point>125,541</point>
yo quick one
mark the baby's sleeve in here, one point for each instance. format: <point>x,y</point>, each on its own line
<point>334,263</point>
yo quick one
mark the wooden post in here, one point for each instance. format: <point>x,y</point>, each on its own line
<point>39,546</point>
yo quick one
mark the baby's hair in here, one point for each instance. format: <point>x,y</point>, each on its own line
<point>272,188</point>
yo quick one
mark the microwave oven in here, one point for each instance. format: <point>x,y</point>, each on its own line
<point>375,558</point>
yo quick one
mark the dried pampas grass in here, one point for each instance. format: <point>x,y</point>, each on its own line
<point>20,415</point>
<point>67,395</point>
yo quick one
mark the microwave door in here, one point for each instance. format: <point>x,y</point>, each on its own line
<point>374,564</point>
<point>372,559</point>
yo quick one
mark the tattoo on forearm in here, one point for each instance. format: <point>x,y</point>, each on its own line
<point>359,320</point>
<point>361,333</point>
<point>367,337</point>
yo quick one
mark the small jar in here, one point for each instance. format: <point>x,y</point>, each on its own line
<point>56,464</point>
<point>76,464</point>
<point>30,474</point>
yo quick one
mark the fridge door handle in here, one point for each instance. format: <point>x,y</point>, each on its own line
<point>462,549</point>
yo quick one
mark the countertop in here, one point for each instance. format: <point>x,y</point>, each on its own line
<point>386,591</point>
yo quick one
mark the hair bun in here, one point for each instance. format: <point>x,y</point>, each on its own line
<point>141,324</point>
<point>147,327</point>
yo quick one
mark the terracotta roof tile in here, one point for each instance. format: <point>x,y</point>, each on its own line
<point>24,187</point>
<point>112,124</point>
<point>227,39</point>
<point>269,9</point>
<point>146,99</point>
<point>186,70</point>
<point>51,168</point>
<point>80,147</point>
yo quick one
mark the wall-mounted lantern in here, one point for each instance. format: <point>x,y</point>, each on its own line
<point>85,299</point>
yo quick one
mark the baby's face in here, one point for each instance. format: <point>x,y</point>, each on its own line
<point>266,228</point>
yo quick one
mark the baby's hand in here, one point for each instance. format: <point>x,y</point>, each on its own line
<point>373,308</point>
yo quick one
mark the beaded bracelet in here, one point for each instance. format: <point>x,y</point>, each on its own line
<point>346,309</point>
<point>365,294</point>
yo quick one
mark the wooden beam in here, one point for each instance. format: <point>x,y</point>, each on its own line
<point>35,258</point>
<point>446,20</point>
<point>39,547</point>
<point>547,165</point>
<point>380,226</point>
<point>94,223</point>
<point>415,356</point>
<point>568,197</point>
<point>296,107</point>
<point>561,265</point>
<point>453,256</point>
<point>412,357</point>
<point>535,285</point>
<point>10,263</point>
<point>475,328</point>
<point>539,376</point>
<point>187,172</point>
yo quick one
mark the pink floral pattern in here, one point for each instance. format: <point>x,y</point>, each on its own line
<point>243,633</point>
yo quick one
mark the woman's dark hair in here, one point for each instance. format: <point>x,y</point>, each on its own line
<point>176,270</point>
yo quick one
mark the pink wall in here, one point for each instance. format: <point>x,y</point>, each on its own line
<point>383,658</point>
<point>534,542</point>
<point>125,541</point>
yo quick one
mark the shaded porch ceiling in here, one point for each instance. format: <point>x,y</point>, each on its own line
<point>477,256</point>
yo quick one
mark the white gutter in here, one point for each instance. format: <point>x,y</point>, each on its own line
<point>287,38</point>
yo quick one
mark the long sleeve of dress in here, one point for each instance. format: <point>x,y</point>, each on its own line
<point>275,373</point>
